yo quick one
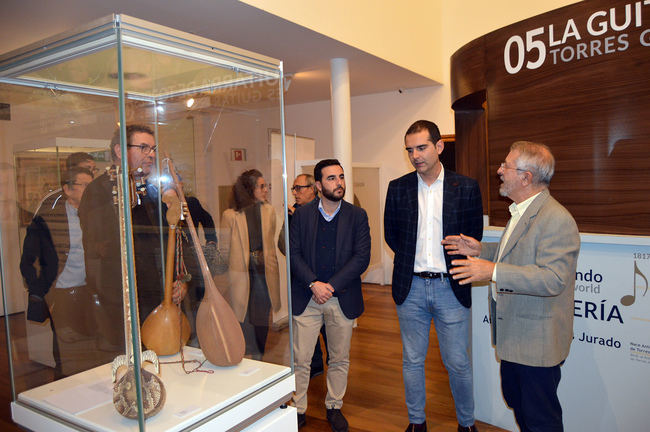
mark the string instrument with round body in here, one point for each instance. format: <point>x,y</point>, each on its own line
<point>217,328</point>
<point>166,330</point>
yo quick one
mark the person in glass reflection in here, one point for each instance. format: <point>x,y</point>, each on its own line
<point>101,239</point>
<point>329,250</point>
<point>247,245</point>
<point>77,159</point>
<point>533,271</point>
<point>57,286</point>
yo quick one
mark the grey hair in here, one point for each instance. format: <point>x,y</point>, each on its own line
<point>310,181</point>
<point>536,158</point>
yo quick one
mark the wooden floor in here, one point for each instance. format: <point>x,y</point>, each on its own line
<point>374,401</point>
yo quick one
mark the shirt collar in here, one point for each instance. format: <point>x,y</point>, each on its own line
<point>327,217</point>
<point>520,209</point>
<point>441,177</point>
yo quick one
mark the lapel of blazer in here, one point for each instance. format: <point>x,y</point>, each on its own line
<point>448,202</point>
<point>411,212</point>
<point>341,229</point>
<point>524,221</point>
<point>313,232</point>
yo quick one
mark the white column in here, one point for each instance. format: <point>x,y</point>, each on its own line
<point>341,120</point>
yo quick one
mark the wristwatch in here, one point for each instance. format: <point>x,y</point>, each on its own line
<point>311,285</point>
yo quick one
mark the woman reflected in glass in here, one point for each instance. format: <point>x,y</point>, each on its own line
<point>248,229</point>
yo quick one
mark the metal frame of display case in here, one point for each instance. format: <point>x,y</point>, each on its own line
<point>21,67</point>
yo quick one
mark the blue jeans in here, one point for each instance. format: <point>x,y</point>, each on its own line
<point>433,299</point>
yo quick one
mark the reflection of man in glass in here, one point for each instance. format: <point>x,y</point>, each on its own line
<point>100,225</point>
<point>78,159</point>
<point>54,239</point>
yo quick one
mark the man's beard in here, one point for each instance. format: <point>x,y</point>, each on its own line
<point>330,194</point>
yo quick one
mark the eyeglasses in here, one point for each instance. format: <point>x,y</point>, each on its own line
<point>504,166</point>
<point>262,186</point>
<point>80,184</point>
<point>298,188</point>
<point>145,149</point>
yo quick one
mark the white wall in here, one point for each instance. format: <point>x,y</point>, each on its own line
<point>379,122</point>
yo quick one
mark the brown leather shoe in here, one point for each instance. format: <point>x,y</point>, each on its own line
<point>417,427</point>
<point>471,428</point>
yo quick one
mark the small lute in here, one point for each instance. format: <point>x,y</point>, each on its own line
<point>166,330</point>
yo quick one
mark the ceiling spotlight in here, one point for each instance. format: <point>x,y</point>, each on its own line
<point>71,122</point>
<point>189,102</point>
<point>160,108</point>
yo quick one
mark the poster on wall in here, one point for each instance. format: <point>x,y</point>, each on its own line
<point>604,384</point>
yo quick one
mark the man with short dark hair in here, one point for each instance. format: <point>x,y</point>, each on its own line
<point>83,160</point>
<point>304,191</point>
<point>78,159</point>
<point>533,271</point>
<point>423,207</point>
<point>100,225</point>
<point>330,249</point>
<point>58,283</point>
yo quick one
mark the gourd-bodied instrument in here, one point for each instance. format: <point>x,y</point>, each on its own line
<point>217,328</point>
<point>124,389</point>
<point>166,330</point>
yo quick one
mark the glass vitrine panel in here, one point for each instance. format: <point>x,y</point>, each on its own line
<point>81,239</point>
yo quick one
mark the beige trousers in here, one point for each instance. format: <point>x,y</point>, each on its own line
<point>306,328</point>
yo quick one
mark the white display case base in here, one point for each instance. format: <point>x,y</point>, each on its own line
<point>243,397</point>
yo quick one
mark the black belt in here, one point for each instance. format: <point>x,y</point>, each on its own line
<point>431,275</point>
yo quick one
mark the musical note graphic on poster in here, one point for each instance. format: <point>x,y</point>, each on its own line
<point>628,300</point>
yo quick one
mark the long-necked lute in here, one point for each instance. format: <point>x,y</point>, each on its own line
<point>167,329</point>
<point>217,328</point>
<point>124,389</point>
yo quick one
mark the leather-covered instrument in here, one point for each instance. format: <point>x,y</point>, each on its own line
<point>124,389</point>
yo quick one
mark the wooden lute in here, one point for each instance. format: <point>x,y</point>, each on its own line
<point>217,328</point>
<point>167,329</point>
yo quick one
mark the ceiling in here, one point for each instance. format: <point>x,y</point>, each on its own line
<point>305,53</point>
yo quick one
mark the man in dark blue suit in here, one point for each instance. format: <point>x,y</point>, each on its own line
<point>330,248</point>
<point>422,208</point>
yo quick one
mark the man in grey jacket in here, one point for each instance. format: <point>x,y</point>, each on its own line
<point>532,273</point>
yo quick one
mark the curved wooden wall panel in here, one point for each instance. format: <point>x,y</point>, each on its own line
<point>588,99</point>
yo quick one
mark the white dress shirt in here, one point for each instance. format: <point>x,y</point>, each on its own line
<point>516,211</point>
<point>429,253</point>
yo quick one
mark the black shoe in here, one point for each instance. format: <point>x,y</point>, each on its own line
<point>302,420</point>
<point>336,420</point>
<point>417,427</point>
<point>471,428</point>
<point>314,372</point>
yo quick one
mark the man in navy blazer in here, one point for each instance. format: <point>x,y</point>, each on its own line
<point>330,249</point>
<point>423,207</point>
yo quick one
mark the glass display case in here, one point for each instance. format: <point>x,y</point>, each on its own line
<point>145,291</point>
